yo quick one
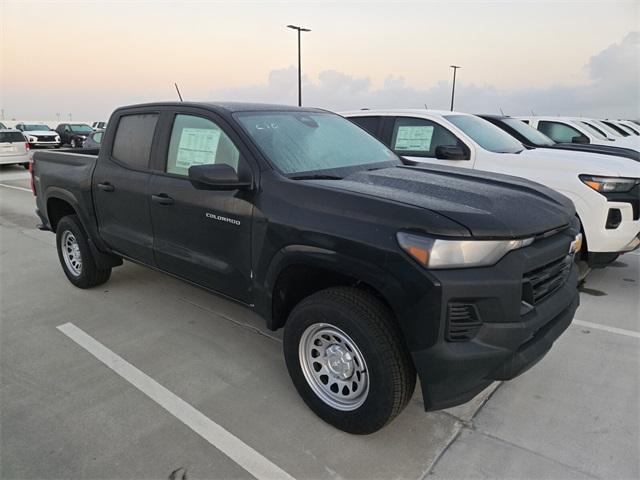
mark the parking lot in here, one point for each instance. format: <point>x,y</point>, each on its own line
<point>150,377</point>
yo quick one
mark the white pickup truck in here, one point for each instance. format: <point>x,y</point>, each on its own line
<point>605,189</point>
<point>577,130</point>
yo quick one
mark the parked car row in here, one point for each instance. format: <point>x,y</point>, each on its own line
<point>378,255</point>
<point>40,135</point>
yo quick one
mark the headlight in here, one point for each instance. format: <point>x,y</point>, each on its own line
<point>57,138</point>
<point>437,253</point>
<point>32,139</point>
<point>609,184</point>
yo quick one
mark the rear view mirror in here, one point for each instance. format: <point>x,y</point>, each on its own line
<point>580,139</point>
<point>450,152</point>
<point>218,176</point>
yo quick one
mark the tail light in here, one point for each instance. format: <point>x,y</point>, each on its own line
<point>33,185</point>
<point>26,145</point>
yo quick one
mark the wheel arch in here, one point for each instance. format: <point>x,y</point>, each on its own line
<point>298,271</point>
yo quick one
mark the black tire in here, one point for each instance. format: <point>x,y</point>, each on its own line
<point>370,325</point>
<point>89,274</point>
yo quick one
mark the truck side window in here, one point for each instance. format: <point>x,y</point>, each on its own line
<point>558,132</point>
<point>417,137</point>
<point>134,135</point>
<point>199,141</point>
<point>369,124</point>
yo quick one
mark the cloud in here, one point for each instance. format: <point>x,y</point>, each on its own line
<point>613,90</point>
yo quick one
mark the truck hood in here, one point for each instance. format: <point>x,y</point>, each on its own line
<point>489,205</point>
<point>628,142</point>
<point>577,162</point>
<point>40,132</point>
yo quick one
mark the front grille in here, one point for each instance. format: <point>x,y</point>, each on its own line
<point>46,138</point>
<point>538,284</point>
<point>463,322</point>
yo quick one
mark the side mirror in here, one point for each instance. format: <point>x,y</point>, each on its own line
<point>218,176</point>
<point>580,139</point>
<point>450,152</point>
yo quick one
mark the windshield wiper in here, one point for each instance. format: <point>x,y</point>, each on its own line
<point>316,176</point>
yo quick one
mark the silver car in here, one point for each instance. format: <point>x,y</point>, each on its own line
<point>14,148</point>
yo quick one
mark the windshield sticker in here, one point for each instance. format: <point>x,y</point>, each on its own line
<point>197,146</point>
<point>414,138</point>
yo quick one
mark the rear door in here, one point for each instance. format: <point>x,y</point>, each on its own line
<point>202,235</point>
<point>120,183</point>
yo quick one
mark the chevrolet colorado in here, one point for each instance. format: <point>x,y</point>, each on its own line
<point>375,269</point>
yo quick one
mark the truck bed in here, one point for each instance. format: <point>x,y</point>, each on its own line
<point>69,173</point>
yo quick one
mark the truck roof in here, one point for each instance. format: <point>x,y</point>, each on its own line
<point>227,107</point>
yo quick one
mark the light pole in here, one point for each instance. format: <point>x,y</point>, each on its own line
<point>299,29</point>
<point>453,87</point>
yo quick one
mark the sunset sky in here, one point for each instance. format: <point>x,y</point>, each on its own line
<point>573,57</point>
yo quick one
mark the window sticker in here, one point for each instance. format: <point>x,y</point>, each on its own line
<point>414,138</point>
<point>197,146</point>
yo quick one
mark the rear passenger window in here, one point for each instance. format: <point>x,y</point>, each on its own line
<point>369,124</point>
<point>199,141</point>
<point>132,143</point>
<point>417,137</point>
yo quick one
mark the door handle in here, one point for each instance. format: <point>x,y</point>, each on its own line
<point>106,187</point>
<point>162,199</point>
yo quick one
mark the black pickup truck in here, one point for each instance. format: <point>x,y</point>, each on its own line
<point>376,269</point>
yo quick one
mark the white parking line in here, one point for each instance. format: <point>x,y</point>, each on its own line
<point>241,453</point>
<point>16,188</point>
<point>605,328</point>
<point>15,176</point>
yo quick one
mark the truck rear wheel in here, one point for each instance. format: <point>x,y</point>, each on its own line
<point>347,360</point>
<point>75,254</point>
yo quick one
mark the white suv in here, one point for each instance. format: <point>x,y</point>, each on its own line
<point>39,135</point>
<point>14,148</point>
<point>605,189</point>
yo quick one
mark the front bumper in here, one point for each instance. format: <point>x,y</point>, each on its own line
<point>510,334</point>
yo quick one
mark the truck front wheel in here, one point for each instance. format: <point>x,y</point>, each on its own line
<point>347,360</point>
<point>75,254</point>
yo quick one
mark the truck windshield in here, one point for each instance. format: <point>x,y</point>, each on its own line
<point>311,142</point>
<point>80,128</point>
<point>486,135</point>
<point>592,130</point>
<point>36,127</point>
<point>531,134</point>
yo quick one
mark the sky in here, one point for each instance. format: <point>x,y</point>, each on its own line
<point>85,58</point>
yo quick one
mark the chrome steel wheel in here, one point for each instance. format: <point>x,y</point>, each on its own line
<point>333,366</point>
<point>71,253</point>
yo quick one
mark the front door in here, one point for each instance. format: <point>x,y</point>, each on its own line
<point>202,235</point>
<point>418,139</point>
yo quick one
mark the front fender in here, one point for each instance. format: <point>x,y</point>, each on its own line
<point>373,275</point>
